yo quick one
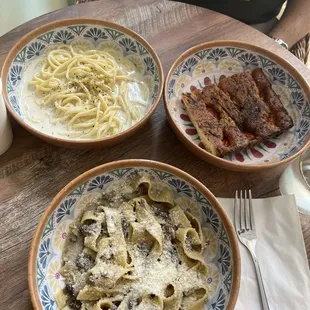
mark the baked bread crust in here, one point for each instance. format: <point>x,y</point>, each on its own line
<point>239,112</point>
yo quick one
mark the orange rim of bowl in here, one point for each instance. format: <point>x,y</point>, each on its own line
<point>66,22</point>
<point>203,153</point>
<point>125,164</point>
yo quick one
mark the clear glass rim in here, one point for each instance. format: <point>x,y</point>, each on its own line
<point>301,158</point>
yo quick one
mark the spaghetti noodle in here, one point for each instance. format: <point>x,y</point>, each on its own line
<point>95,92</point>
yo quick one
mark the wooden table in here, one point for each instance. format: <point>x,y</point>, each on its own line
<point>32,172</point>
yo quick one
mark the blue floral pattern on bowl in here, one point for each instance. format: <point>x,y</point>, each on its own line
<point>48,257</point>
<point>96,34</point>
<point>208,65</point>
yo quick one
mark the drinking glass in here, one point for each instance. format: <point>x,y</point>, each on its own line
<point>296,180</point>
<point>6,135</point>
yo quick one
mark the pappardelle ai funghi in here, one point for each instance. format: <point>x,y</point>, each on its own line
<point>133,247</point>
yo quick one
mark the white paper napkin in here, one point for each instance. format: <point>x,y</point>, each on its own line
<point>281,253</point>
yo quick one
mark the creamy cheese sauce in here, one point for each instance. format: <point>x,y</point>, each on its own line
<point>41,117</point>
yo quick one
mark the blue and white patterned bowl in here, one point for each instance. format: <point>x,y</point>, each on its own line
<point>35,43</point>
<point>222,253</point>
<point>207,63</point>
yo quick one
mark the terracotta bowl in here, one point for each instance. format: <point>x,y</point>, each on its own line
<point>222,253</point>
<point>36,42</point>
<point>207,63</point>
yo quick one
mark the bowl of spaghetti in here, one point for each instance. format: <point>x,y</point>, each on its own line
<point>134,234</point>
<point>82,82</point>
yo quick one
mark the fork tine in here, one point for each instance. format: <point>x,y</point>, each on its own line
<point>241,203</point>
<point>236,213</point>
<point>252,221</point>
<point>246,212</point>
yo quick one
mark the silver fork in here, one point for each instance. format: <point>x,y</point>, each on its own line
<point>246,232</point>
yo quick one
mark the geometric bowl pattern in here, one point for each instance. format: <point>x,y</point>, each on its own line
<point>100,35</point>
<point>218,255</point>
<point>208,65</point>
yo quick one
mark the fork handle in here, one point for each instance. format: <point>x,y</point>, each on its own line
<point>260,283</point>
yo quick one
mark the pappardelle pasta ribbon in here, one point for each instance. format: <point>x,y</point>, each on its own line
<point>134,249</point>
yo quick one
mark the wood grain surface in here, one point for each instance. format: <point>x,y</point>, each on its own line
<point>32,172</point>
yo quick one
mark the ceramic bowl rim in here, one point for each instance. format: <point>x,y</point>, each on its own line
<point>125,164</point>
<point>220,162</point>
<point>67,22</point>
